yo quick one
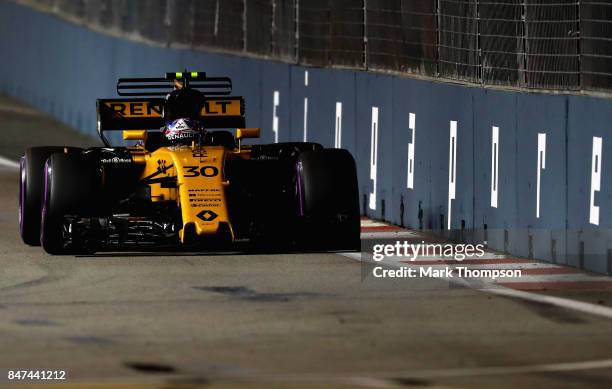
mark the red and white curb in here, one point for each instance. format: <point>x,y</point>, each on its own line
<point>371,229</point>
<point>535,276</point>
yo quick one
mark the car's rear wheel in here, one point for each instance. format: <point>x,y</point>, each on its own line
<point>69,185</point>
<point>328,200</point>
<point>31,188</point>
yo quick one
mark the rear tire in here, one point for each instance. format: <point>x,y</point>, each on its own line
<point>31,186</point>
<point>69,186</point>
<point>266,184</point>
<point>328,200</point>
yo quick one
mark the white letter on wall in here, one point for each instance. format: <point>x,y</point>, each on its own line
<point>541,166</point>
<point>374,156</point>
<point>595,179</point>
<point>411,145</point>
<point>276,102</point>
<point>494,165</point>
<point>305,107</point>
<point>452,167</point>
<point>338,134</point>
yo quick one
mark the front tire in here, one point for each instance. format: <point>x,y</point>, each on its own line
<point>31,187</point>
<point>69,186</point>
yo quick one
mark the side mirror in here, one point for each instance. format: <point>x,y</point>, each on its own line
<point>135,135</point>
<point>242,133</point>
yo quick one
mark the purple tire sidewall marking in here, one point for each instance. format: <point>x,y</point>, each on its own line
<point>45,199</point>
<point>22,192</point>
<point>299,188</point>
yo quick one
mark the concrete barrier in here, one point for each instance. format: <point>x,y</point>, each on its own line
<point>530,173</point>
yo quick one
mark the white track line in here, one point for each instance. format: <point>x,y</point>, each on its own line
<point>388,234</point>
<point>505,370</point>
<point>407,260</point>
<point>372,223</point>
<point>592,309</point>
<point>502,266</point>
<point>381,378</point>
<point>514,266</point>
<point>571,277</point>
<point>19,110</point>
<point>5,162</point>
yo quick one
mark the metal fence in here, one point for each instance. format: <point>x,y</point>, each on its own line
<point>543,44</point>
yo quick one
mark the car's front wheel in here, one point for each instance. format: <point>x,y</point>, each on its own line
<point>31,187</point>
<point>68,187</point>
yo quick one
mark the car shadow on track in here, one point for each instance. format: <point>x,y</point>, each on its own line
<point>119,254</point>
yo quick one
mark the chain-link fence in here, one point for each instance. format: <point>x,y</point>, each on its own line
<point>543,44</point>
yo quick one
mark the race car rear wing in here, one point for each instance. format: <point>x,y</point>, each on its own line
<point>146,113</point>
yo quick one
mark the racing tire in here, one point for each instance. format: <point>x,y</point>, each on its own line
<point>328,200</point>
<point>69,185</point>
<point>31,186</point>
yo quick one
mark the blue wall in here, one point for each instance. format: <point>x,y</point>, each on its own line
<point>62,68</point>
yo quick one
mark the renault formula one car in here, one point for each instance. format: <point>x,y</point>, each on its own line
<point>202,191</point>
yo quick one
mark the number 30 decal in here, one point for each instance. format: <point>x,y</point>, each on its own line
<point>195,171</point>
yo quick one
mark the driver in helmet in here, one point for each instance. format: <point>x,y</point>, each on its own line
<point>181,114</point>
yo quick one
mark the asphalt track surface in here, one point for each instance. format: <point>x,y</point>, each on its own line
<point>287,320</point>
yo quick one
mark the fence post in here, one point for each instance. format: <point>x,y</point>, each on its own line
<point>438,36</point>
<point>478,45</point>
<point>579,46</point>
<point>168,18</point>
<point>192,9</point>
<point>524,62</point>
<point>365,34</point>
<point>244,25</point>
<point>296,10</point>
<point>272,28</point>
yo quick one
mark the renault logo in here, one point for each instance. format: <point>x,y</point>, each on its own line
<point>207,216</point>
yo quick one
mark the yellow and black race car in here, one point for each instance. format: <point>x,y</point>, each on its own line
<point>183,184</point>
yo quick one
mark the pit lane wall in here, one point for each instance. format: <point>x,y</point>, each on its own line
<point>530,173</point>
